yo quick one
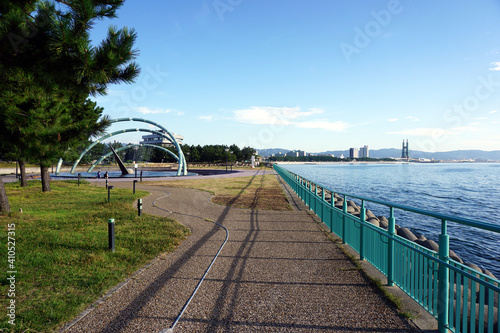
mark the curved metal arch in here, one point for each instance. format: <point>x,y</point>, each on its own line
<point>181,170</point>
<point>127,147</point>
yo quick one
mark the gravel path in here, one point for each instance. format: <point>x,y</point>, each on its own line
<point>277,273</point>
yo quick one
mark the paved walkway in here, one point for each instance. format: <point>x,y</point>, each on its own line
<point>277,273</point>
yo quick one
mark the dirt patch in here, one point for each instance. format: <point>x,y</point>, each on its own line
<point>271,199</point>
<point>254,192</point>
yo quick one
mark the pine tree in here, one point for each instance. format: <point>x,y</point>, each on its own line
<point>48,69</point>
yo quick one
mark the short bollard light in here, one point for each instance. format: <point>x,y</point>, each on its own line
<point>135,182</point>
<point>141,176</point>
<point>111,234</point>
<point>139,207</point>
<point>109,192</point>
<point>106,183</point>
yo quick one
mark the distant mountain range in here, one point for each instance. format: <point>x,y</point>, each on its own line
<point>392,152</point>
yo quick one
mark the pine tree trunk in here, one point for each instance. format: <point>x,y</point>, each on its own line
<point>4,200</point>
<point>22,168</point>
<point>45,178</point>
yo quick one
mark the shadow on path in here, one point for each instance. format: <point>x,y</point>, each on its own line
<point>132,311</point>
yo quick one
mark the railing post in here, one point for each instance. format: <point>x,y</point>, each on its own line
<point>323,204</point>
<point>316,197</point>
<point>444,277</point>
<point>309,195</point>
<point>344,216</point>
<point>362,218</point>
<point>293,179</point>
<point>391,231</point>
<point>333,212</point>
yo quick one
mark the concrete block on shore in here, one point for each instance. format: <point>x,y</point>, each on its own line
<point>453,256</point>
<point>487,272</point>
<point>473,266</point>
<point>384,224</point>
<point>420,242</point>
<point>369,214</point>
<point>406,233</point>
<point>374,221</point>
<point>421,237</point>
<point>431,245</point>
<point>351,203</point>
<point>383,218</point>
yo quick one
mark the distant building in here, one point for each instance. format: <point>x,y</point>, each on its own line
<point>292,154</point>
<point>156,139</point>
<point>363,152</point>
<point>301,153</point>
<point>405,153</point>
<point>353,153</point>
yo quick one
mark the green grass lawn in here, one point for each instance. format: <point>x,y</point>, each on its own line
<point>62,259</point>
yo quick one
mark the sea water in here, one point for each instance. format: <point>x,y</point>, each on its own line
<point>469,190</point>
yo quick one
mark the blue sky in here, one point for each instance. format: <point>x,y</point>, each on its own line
<point>315,75</point>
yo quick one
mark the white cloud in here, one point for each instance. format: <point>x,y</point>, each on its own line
<point>146,110</point>
<point>496,66</point>
<point>287,117</point>
<point>272,115</point>
<point>463,129</point>
<point>207,118</point>
<point>393,119</point>
<point>412,118</point>
<point>493,111</point>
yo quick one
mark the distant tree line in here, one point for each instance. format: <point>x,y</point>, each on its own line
<point>323,158</point>
<point>207,154</point>
<point>193,154</point>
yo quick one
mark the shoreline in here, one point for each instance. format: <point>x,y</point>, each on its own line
<point>384,162</point>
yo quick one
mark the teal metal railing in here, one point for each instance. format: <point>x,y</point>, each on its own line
<point>461,299</point>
